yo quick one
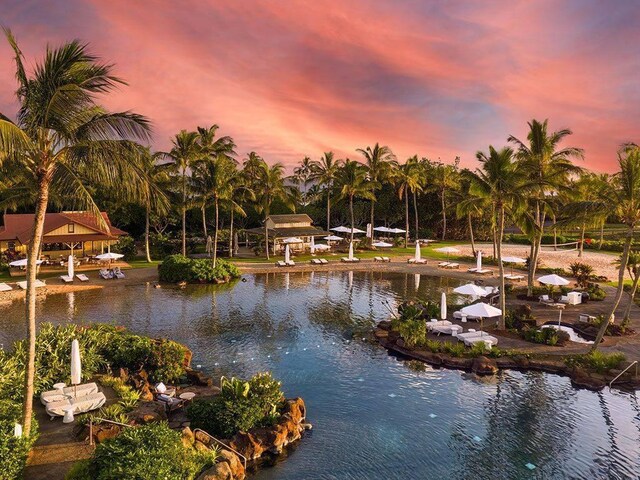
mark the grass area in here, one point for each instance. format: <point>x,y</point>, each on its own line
<point>141,262</point>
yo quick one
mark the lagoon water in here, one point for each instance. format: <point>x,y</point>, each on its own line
<point>373,417</point>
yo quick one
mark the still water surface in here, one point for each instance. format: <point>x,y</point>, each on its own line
<point>373,417</point>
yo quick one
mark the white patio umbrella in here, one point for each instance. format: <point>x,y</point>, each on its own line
<point>292,240</point>
<point>481,310</point>
<point>22,263</point>
<point>447,250</point>
<point>470,289</point>
<point>70,266</point>
<point>109,256</point>
<point>479,261</point>
<point>321,246</point>
<point>332,238</point>
<point>76,364</point>
<point>382,229</point>
<point>343,229</point>
<point>382,244</point>
<point>443,306</point>
<point>396,230</point>
<point>418,255</point>
<point>513,260</point>
<point>553,280</point>
<point>350,251</point>
<point>287,253</point>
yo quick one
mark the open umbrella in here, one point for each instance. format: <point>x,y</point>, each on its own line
<point>470,289</point>
<point>552,281</point>
<point>342,229</point>
<point>481,310</point>
<point>418,255</point>
<point>350,251</point>
<point>292,240</point>
<point>396,230</point>
<point>447,250</point>
<point>321,246</point>
<point>513,260</point>
<point>443,306</point>
<point>381,245</point>
<point>332,238</point>
<point>109,256</point>
<point>22,263</point>
<point>382,229</point>
<point>76,364</point>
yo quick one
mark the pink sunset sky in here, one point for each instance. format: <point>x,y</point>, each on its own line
<point>295,78</point>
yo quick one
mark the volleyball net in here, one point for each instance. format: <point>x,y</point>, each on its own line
<point>567,247</point>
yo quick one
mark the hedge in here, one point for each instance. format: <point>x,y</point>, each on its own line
<point>178,268</point>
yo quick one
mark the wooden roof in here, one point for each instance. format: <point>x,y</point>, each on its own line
<point>291,218</point>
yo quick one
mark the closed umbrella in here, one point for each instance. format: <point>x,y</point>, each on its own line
<point>418,254</point>
<point>443,306</point>
<point>70,266</point>
<point>76,364</point>
<point>481,310</point>
<point>287,254</point>
<point>350,251</point>
<point>313,245</point>
<point>479,262</point>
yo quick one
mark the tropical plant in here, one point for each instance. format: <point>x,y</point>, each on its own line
<point>582,272</point>
<point>633,269</point>
<point>354,183</point>
<point>408,178</point>
<point>326,172</point>
<point>13,450</point>
<point>66,141</point>
<point>378,164</point>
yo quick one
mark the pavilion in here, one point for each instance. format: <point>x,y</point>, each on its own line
<point>281,227</point>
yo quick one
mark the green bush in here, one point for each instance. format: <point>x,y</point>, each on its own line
<point>581,271</point>
<point>595,292</point>
<point>13,450</point>
<point>126,246</point>
<point>149,452</point>
<point>241,405</point>
<point>414,332</point>
<point>177,268</point>
<point>597,360</point>
<point>545,336</point>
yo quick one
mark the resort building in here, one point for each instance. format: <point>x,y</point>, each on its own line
<point>81,232</point>
<point>289,226</point>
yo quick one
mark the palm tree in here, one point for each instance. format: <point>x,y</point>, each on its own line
<point>65,141</point>
<point>270,186</point>
<point>325,172</point>
<point>355,183</point>
<point>500,182</point>
<point>378,164</point>
<point>408,179</point>
<point>548,168</point>
<point>442,179</point>
<point>302,174</point>
<point>185,153</point>
<point>470,206</point>
<point>633,268</point>
<point>156,200</point>
<point>240,194</point>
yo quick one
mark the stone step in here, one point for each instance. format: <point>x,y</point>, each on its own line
<point>61,452</point>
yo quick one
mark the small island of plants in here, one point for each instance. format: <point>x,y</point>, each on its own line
<point>178,268</point>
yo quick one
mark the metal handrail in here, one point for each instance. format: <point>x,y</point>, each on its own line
<point>102,420</point>
<point>635,362</point>
<point>244,459</point>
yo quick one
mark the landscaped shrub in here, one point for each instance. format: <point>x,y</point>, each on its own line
<point>581,271</point>
<point>149,452</point>
<point>595,292</point>
<point>126,246</point>
<point>240,406</point>
<point>545,336</point>
<point>13,450</point>
<point>520,317</point>
<point>414,332</point>
<point>597,360</point>
<point>177,268</point>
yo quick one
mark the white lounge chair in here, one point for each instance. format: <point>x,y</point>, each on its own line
<point>545,299</point>
<point>316,261</point>
<point>290,263</point>
<point>484,271</point>
<point>78,391</point>
<point>452,266</point>
<point>352,260</point>
<point>66,278</point>
<point>413,260</point>
<point>105,274</point>
<point>118,273</point>
<point>4,287</point>
<point>431,324</point>
<point>458,315</point>
<point>323,261</point>
<point>38,284</point>
<point>82,277</point>
<point>488,340</point>
<point>514,277</point>
<point>443,264</point>
<point>81,404</point>
<point>564,299</point>
<point>280,263</point>
<point>447,329</point>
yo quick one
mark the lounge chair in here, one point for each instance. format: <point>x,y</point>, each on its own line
<point>4,287</point>
<point>488,340</point>
<point>105,274</point>
<point>545,299</point>
<point>458,315</point>
<point>324,261</point>
<point>433,323</point>
<point>514,277</point>
<point>82,277</point>
<point>77,391</point>
<point>280,263</point>
<point>443,264</point>
<point>118,273</point>
<point>170,403</point>
<point>377,259</point>
<point>413,260</point>
<point>38,284</point>
<point>447,329</point>
<point>484,271</point>
<point>452,266</point>
<point>564,299</point>
<point>66,278</point>
<point>316,261</point>
<point>290,263</point>
<point>352,260</point>
<point>81,404</point>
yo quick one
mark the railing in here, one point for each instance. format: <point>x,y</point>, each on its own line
<point>244,459</point>
<point>98,419</point>
<point>635,362</point>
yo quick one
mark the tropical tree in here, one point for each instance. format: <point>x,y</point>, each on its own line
<point>302,175</point>
<point>185,153</point>
<point>408,178</point>
<point>65,141</point>
<point>378,164</point>
<point>240,195</point>
<point>633,269</point>
<point>325,172</point>
<point>548,168</point>
<point>470,206</point>
<point>500,182</point>
<point>442,180</point>
<point>354,183</point>
<point>156,200</point>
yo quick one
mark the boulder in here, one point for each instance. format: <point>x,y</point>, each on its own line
<point>457,362</point>
<point>220,471</point>
<point>196,377</point>
<point>188,356</point>
<point>580,378</point>
<point>248,445</point>
<point>296,408</point>
<point>484,366</point>
<point>202,437</point>
<point>379,333</point>
<point>102,432</point>
<point>188,438</point>
<point>235,464</point>
<point>148,412</point>
<point>384,325</point>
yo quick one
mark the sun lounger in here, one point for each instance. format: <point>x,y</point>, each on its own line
<point>78,390</point>
<point>119,274</point>
<point>38,284</point>
<point>443,264</point>
<point>324,261</point>
<point>413,260</point>
<point>316,261</point>
<point>81,404</point>
<point>280,263</point>
<point>4,287</point>
<point>290,263</point>
<point>488,340</point>
<point>452,265</point>
<point>66,278</point>
<point>347,260</point>
<point>514,277</point>
<point>458,315</point>
<point>447,329</point>
<point>545,299</point>
<point>564,299</point>
<point>82,277</point>
<point>484,271</point>
<point>106,274</point>
<point>438,323</point>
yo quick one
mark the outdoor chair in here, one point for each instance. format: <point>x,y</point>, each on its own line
<point>80,404</point>
<point>452,266</point>
<point>53,396</point>
<point>4,287</point>
<point>545,299</point>
<point>66,278</point>
<point>82,277</point>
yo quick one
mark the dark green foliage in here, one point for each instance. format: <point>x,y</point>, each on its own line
<point>126,246</point>
<point>13,450</point>
<point>414,332</point>
<point>519,318</point>
<point>177,268</point>
<point>149,452</point>
<point>597,360</point>
<point>595,292</point>
<point>240,406</point>
<point>545,336</point>
<point>581,271</point>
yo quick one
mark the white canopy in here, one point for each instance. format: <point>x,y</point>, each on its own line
<point>382,229</point>
<point>332,238</point>
<point>321,246</point>
<point>23,263</point>
<point>292,240</point>
<point>481,310</point>
<point>513,260</point>
<point>382,245</point>
<point>343,229</point>
<point>447,250</point>
<point>553,279</point>
<point>109,256</point>
<point>396,230</point>
<point>470,289</point>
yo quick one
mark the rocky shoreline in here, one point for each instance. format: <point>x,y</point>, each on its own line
<point>483,365</point>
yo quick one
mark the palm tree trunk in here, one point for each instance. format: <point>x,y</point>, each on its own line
<point>231,243</point>
<point>415,212</point>
<point>353,222</point>
<point>601,235</point>
<point>634,289</point>
<point>406,218</point>
<point>215,236</point>
<point>444,216</point>
<point>266,235</point>
<point>328,210</point>
<point>503,307</point>
<point>623,262</point>
<point>146,235</point>
<point>184,212</point>
<point>204,220</point>
<point>473,243</point>
<point>581,240</point>
<point>372,216</point>
<point>30,303</point>
<point>555,234</point>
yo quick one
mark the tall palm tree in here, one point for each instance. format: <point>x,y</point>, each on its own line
<point>443,179</point>
<point>240,194</point>
<point>500,182</point>
<point>408,178</point>
<point>470,206</point>
<point>156,200</point>
<point>325,172</point>
<point>270,186</point>
<point>185,153</point>
<point>66,141</point>
<point>633,269</point>
<point>355,183</point>
<point>548,168</point>
<point>378,164</point>
<point>302,174</point>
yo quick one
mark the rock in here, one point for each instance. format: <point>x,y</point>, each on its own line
<point>198,378</point>
<point>248,445</point>
<point>484,366</point>
<point>580,378</point>
<point>235,464</point>
<point>379,333</point>
<point>188,438</point>
<point>457,362</point>
<point>202,438</point>
<point>384,325</point>
<point>188,356</point>
<point>146,395</point>
<point>296,408</point>
<point>148,412</point>
<point>220,471</point>
<point>400,342</point>
<point>201,447</point>
<point>102,432</point>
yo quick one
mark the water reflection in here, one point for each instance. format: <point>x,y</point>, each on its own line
<point>373,417</point>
